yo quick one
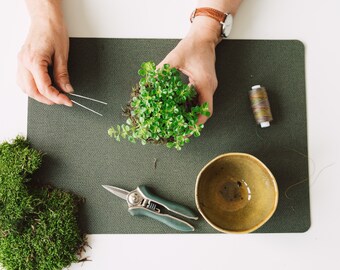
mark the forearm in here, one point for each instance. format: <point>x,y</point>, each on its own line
<point>47,9</point>
<point>228,6</point>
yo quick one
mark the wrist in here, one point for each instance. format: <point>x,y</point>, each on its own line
<point>46,10</point>
<point>206,29</point>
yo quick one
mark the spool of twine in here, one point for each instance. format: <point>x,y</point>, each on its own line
<point>260,105</point>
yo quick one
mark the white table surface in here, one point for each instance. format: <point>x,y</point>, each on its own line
<point>315,23</point>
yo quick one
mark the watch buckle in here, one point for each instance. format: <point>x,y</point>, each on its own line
<point>226,25</point>
<point>193,14</point>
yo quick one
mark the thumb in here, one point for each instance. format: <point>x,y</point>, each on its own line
<point>171,59</point>
<point>165,61</point>
<point>61,76</point>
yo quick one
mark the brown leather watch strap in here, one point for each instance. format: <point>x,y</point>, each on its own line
<point>210,12</point>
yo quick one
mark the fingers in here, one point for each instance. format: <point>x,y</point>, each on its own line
<point>61,76</point>
<point>202,98</point>
<point>27,84</point>
<point>205,87</point>
<point>33,79</point>
<point>44,84</point>
<point>165,61</point>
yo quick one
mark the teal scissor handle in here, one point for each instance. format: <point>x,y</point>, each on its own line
<point>169,205</point>
<point>170,221</point>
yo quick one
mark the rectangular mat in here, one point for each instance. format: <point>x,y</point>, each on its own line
<point>81,157</point>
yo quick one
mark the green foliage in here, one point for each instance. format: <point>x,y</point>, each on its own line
<point>162,109</point>
<point>17,162</point>
<point>38,225</point>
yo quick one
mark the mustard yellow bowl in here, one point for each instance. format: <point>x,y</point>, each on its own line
<point>236,193</point>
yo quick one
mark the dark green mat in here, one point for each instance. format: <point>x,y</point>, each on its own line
<point>81,157</point>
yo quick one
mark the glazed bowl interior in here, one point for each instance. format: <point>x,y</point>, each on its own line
<point>236,193</point>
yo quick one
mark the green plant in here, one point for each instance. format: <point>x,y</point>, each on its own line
<point>38,225</point>
<point>162,109</point>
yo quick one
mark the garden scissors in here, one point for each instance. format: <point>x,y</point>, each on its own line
<point>141,202</point>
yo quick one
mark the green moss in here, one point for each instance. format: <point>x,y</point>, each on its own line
<point>38,226</point>
<point>17,162</point>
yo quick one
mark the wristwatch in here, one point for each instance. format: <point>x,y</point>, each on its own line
<point>225,19</point>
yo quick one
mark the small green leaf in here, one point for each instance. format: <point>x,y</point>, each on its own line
<point>142,72</point>
<point>129,121</point>
<point>170,144</point>
<point>131,139</point>
<point>148,66</point>
<point>111,131</point>
<point>206,113</point>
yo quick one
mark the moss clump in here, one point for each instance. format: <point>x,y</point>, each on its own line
<point>38,225</point>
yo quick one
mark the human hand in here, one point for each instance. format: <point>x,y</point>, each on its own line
<point>195,57</point>
<point>46,44</point>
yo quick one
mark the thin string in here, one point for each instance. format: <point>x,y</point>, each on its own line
<point>312,170</point>
<point>260,105</point>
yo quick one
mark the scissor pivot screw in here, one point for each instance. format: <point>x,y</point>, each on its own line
<point>134,198</point>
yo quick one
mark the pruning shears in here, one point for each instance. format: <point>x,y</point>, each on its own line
<point>141,202</point>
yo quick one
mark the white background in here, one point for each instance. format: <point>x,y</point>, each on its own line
<point>315,23</point>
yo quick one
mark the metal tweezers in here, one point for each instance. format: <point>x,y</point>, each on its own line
<point>83,106</point>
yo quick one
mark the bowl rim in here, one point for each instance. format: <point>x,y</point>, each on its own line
<point>269,215</point>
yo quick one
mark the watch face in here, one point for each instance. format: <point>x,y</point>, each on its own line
<point>227,25</point>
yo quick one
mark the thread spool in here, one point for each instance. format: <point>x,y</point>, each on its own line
<point>260,105</point>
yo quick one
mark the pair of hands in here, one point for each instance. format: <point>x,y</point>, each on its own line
<point>47,44</point>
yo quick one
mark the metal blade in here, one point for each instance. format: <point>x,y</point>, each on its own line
<point>119,192</point>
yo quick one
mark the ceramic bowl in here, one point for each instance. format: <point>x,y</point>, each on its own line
<point>236,193</point>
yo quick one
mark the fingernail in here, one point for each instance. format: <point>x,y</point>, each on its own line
<point>69,104</point>
<point>69,88</point>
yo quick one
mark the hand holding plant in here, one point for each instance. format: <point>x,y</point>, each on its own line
<point>195,57</point>
<point>163,109</point>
